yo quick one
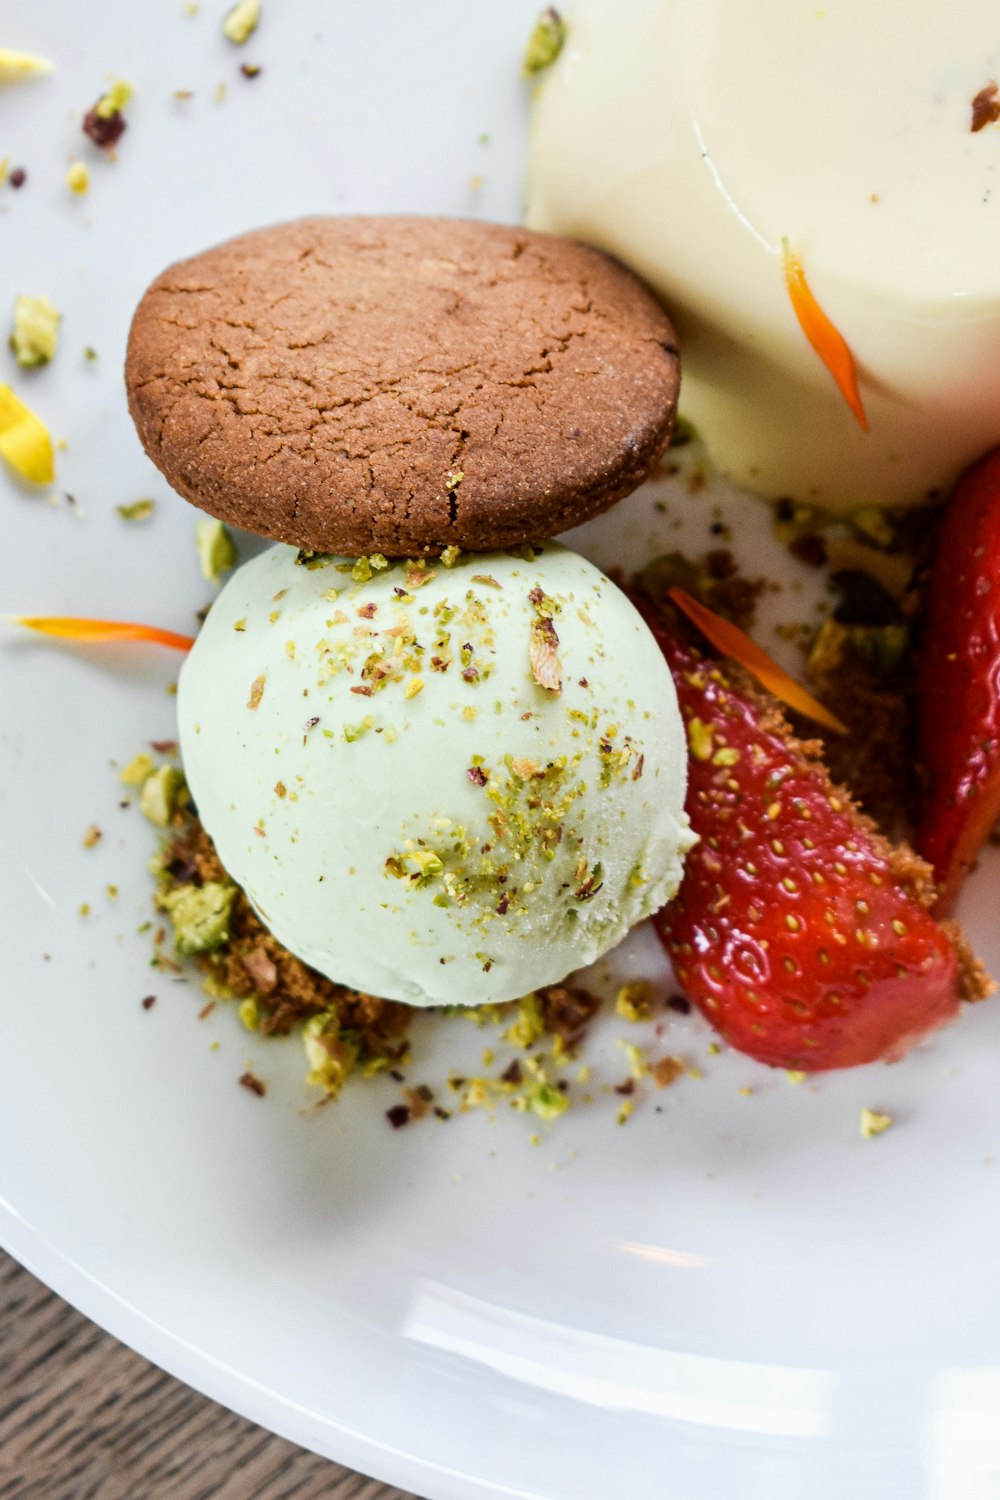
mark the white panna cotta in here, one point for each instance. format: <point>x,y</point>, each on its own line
<point>443,785</point>
<point>692,137</point>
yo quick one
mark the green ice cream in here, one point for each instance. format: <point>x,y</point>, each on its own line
<point>439,785</point>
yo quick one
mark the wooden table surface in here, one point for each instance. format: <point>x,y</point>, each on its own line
<point>83,1418</point>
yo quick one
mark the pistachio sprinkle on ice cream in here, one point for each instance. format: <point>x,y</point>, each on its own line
<point>442,785</point>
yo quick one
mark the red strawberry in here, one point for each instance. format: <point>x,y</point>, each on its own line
<point>958,684</point>
<point>799,931</point>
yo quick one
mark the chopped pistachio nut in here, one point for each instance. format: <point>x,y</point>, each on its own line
<point>137,770</point>
<point>638,1066</point>
<point>78,178</point>
<point>634,999</point>
<point>162,793</point>
<point>36,331</point>
<point>136,510</point>
<point>547,1101</point>
<point>249,1013</point>
<point>199,915</point>
<point>450,556</point>
<point>114,101</point>
<point>699,739</point>
<point>873,1122</point>
<point>92,836</point>
<point>872,522</point>
<point>331,1055</point>
<point>241,22</point>
<point>216,549</point>
<point>530,1023</point>
<point>18,67</point>
<point>545,43</point>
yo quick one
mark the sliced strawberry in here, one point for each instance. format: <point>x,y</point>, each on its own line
<point>798,930</point>
<point>958,685</point>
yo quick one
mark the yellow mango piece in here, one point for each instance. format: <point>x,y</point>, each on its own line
<point>24,440</point>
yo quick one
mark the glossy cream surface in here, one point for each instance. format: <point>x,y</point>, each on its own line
<point>407,808</point>
<point>690,137</point>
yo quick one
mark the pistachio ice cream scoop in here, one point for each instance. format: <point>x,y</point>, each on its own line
<point>442,785</point>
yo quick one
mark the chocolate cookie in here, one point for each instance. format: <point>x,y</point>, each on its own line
<point>401,385</point>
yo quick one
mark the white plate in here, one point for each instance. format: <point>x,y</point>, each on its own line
<point>731,1296</point>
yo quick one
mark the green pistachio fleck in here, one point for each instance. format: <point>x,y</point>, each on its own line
<point>530,1023</point>
<point>306,558</point>
<point>36,331</point>
<point>114,101</point>
<point>547,1101</point>
<point>162,793</point>
<point>199,915</point>
<point>136,510</point>
<point>249,1013</point>
<point>545,43</point>
<point>77,178</point>
<point>137,770</point>
<point>873,524</point>
<point>450,556</point>
<point>216,549</point>
<point>90,354</point>
<point>332,1055</point>
<point>634,999</point>
<point>241,22</point>
<point>699,739</point>
<point>873,1122</point>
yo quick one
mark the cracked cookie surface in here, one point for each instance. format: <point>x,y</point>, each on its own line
<point>401,385</point>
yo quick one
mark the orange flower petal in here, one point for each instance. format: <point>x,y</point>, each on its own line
<point>825,338</point>
<point>735,643</point>
<point>69,628</point>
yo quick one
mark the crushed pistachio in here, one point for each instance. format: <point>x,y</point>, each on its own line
<point>92,836</point>
<point>547,1101</point>
<point>35,332</point>
<point>699,739</point>
<point>216,549</point>
<point>162,793</point>
<point>545,43</point>
<point>543,649</point>
<point>873,1122</point>
<point>78,178</point>
<point>450,556</point>
<point>256,692</point>
<point>137,770</point>
<point>331,1054</point>
<point>634,1000</point>
<point>114,101</point>
<point>199,915</point>
<point>530,1023</point>
<point>249,1013</point>
<point>242,21</point>
<point>136,510</point>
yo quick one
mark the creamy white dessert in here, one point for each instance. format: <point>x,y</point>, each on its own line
<point>438,785</point>
<point>690,137</point>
